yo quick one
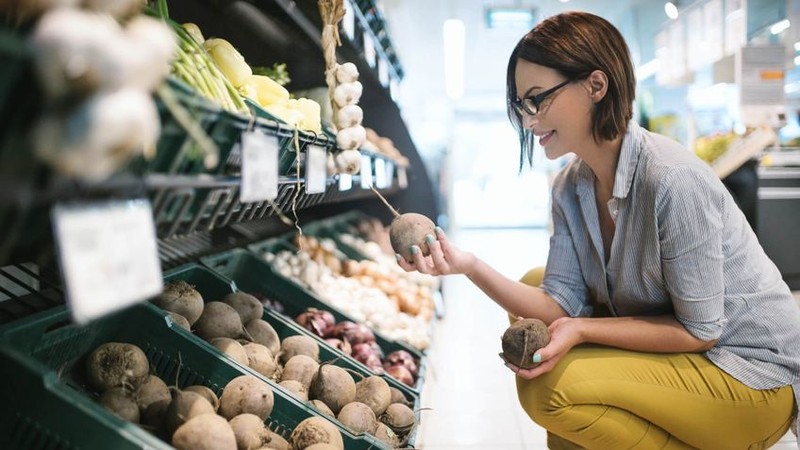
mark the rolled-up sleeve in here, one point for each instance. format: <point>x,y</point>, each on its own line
<point>689,208</point>
<point>563,279</point>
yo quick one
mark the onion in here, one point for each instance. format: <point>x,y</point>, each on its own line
<point>372,361</point>
<point>344,346</point>
<point>402,358</point>
<point>400,373</point>
<point>354,333</point>
<point>317,321</point>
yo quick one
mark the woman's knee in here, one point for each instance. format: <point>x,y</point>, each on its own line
<point>533,277</point>
<point>536,399</point>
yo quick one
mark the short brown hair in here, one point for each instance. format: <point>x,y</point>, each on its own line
<point>575,44</point>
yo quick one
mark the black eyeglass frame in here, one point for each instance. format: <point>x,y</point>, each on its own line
<point>521,105</point>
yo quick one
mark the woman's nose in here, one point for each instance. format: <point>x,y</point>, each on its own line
<point>528,121</point>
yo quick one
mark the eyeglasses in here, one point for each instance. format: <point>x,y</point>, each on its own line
<point>531,104</point>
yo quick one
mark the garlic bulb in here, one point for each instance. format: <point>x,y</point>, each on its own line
<point>351,138</point>
<point>346,73</point>
<point>349,116</point>
<point>347,93</point>
<point>348,161</point>
<point>78,52</point>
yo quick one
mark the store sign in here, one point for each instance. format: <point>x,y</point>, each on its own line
<point>259,167</point>
<point>108,256</point>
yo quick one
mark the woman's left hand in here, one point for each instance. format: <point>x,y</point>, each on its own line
<point>564,334</point>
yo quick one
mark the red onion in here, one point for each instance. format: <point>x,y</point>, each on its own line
<point>355,333</point>
<point>400,373</point>
<point>372,361</point>
<point>317,321</point>
<point>344,346</point>
<point>402,358</point>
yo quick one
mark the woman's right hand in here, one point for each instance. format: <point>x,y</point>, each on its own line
<point>445,258</point>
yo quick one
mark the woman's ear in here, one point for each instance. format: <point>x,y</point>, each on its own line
<point>597,84</point>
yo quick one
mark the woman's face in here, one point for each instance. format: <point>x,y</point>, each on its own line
<point>563,122</point>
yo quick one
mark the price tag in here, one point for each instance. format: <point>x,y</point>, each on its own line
<point>316,169</point>
<point>366,171</point>
<point>349,20</point>
<point>402,177</point>
<point>389,173</point>
<point>259,167</point>
<point>383,72</point>
<point>380,173</point>
<point>369,49</point>
<point>108,256</point>
<point>345,181</point>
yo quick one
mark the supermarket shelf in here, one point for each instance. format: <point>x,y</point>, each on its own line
<point>285,31</point>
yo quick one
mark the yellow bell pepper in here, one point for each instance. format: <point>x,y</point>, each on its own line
<point>229,60</point>
<point>291,116</point>
<point>269,91</point>
<point>311,113</point>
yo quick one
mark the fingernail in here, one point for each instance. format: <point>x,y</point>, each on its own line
<point>537,358</point>
<point>439,230</point>
<point>413,249</point>
<point>398,257</point>
<point>429,239</point>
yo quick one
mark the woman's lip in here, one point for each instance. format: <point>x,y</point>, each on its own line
<point>544,138</point>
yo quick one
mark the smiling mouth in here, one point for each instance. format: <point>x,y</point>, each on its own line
<point>544,138</point>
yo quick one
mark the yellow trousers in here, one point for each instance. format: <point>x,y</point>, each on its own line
<point>610,399</point>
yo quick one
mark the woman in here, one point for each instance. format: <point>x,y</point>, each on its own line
<point>670,327</point>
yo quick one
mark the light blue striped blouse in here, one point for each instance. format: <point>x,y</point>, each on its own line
<point>681,246</point>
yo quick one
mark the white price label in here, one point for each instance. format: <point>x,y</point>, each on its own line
<point>402,177</point>
<point>108,256</point>
<point>389,173</point>
<point>369,50</point>
<point>345,181</point>
<point>366,171</point>
<point>316,169</point>
<point>349,20</point>
<point>383,72</point>
<point>259,167</point>
<point>380,173</point>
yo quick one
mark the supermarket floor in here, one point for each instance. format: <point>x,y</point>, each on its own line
<point>471,394</point>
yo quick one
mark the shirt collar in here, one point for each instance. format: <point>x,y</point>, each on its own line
<point>626,165</point>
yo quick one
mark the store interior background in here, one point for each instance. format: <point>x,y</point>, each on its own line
<point>453,101</point>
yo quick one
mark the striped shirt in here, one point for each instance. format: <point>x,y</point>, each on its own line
<point>681,246</point>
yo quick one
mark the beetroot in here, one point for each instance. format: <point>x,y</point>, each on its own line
<point>522,339</point>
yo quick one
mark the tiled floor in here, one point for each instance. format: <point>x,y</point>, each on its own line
<point>471,394</point>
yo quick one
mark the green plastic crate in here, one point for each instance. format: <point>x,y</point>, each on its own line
<point>213,286</point>
<point>254,275</point>
<point>55,351</point>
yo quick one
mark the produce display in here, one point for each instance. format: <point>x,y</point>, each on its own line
<point>234,326</point>
<point>193,417</point>
<point>363,298</point>
<point>114,79</point>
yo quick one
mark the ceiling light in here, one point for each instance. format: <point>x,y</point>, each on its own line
<point>671,10</point>
<point>510,17</point>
